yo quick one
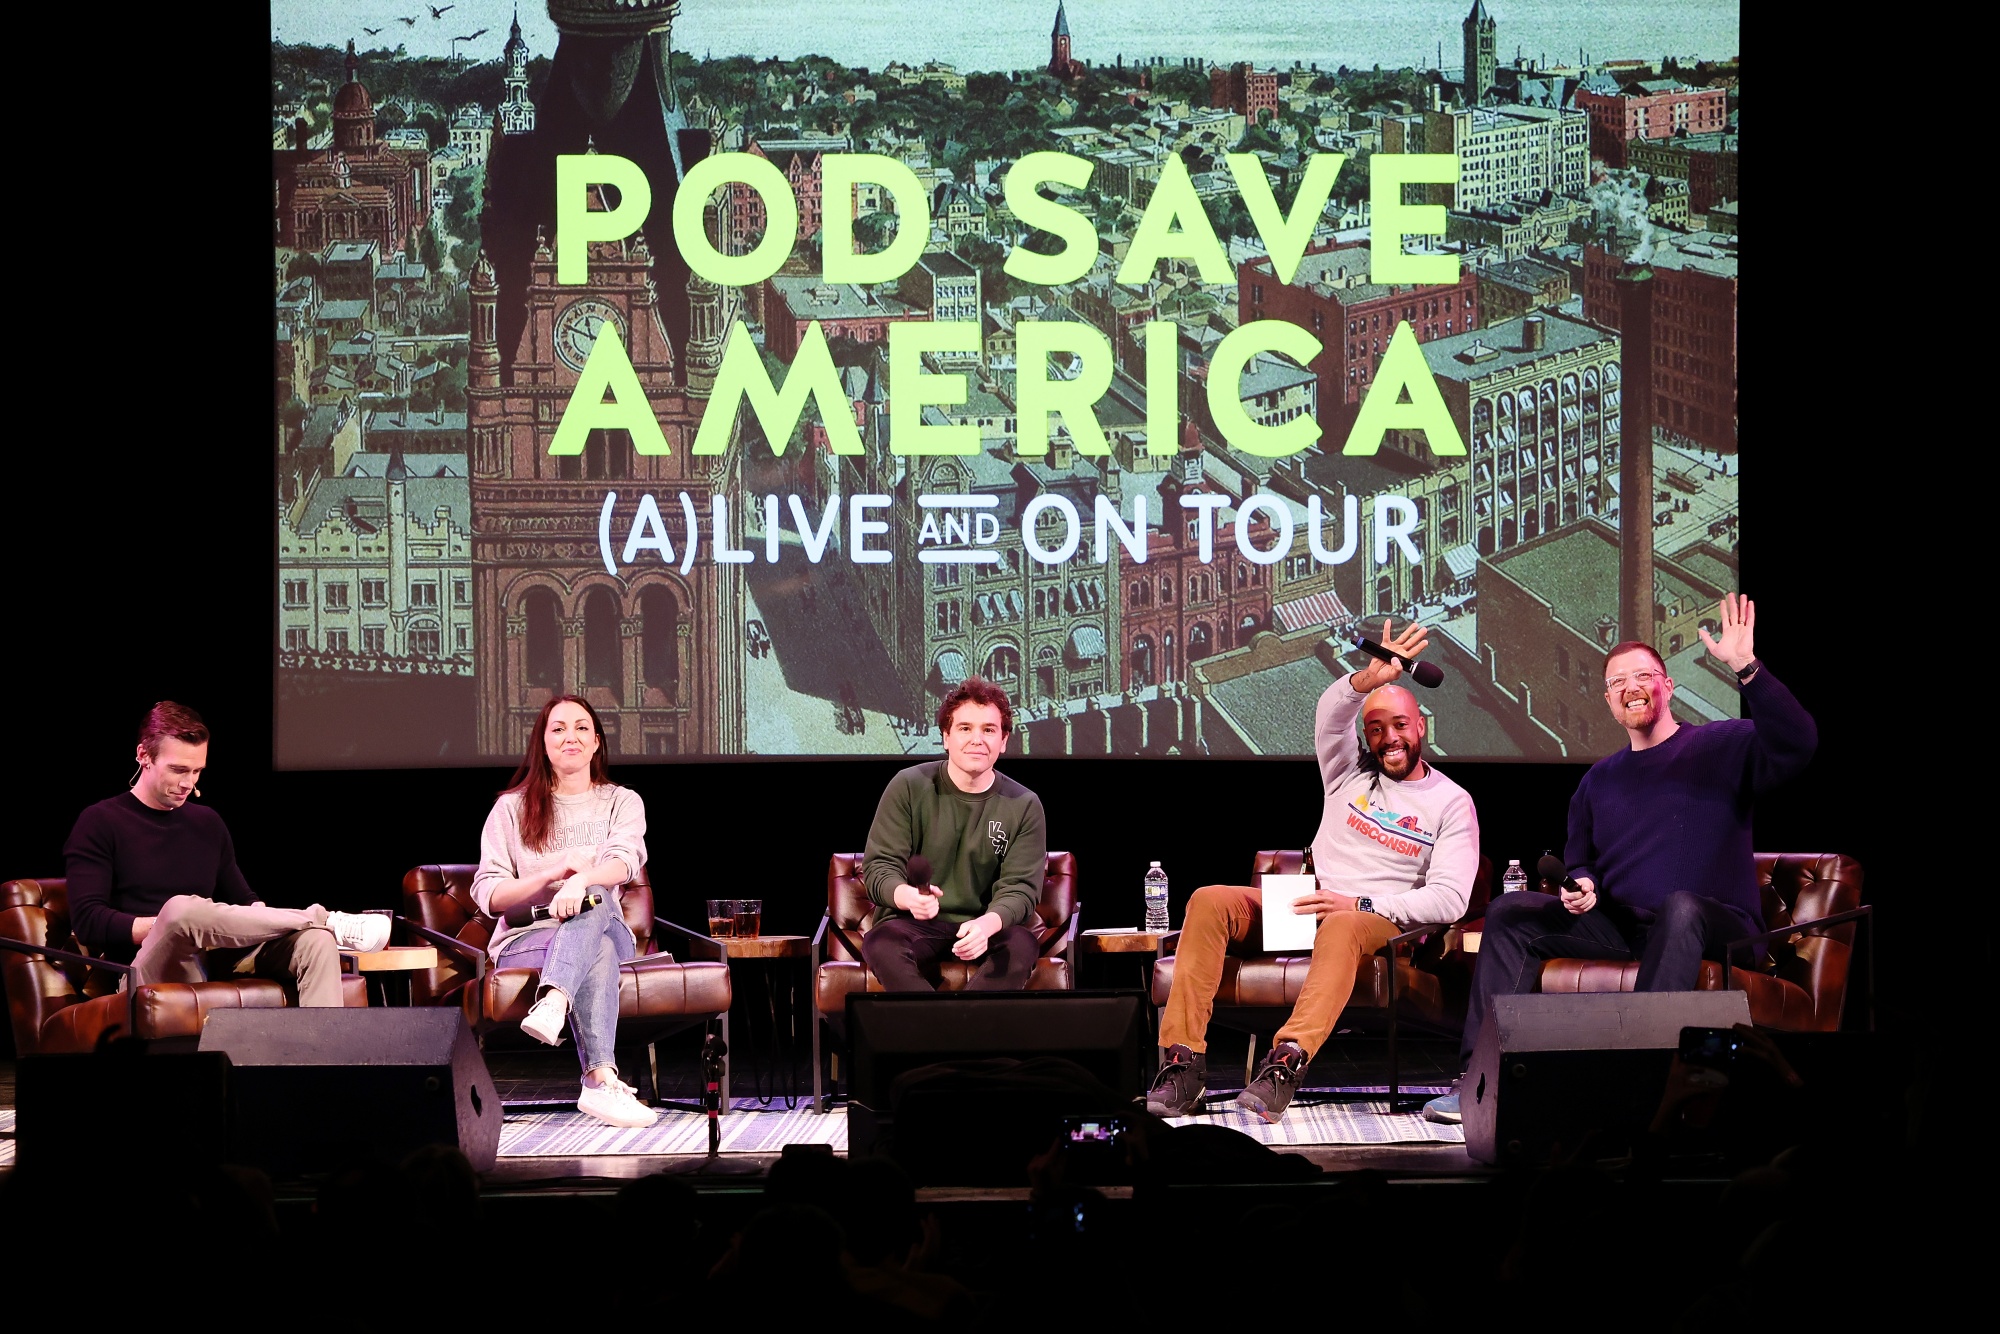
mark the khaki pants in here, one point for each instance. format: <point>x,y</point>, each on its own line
<point>284,944</point>
<point>1219,916</point>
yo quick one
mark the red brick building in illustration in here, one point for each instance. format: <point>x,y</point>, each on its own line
<point>652,648</point>
<point>357,188</point>
<point>1062,64</point>
<point>1243,89</point>
<point>1353,319</point>
<point>802,161</point>
<point>1178,608</point>
<point>1693,303</point>
<point>1651,109</point>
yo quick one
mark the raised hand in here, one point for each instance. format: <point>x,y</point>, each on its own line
<point>1412,641</point>
<point>1735,645</point>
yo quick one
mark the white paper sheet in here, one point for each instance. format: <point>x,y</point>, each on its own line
<point>1284,929</point>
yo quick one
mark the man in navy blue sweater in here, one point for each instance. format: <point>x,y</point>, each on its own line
<point>1659,835</point>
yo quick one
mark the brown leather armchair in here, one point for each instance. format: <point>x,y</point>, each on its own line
<point>1812,909</point>
<point>1421,976</point>
<point>838,967</point>
<point>61,999</point>
<point>657,994</point>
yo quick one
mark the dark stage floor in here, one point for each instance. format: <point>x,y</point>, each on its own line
<point>1737,1228</point>
<point>540,1075</point>
<point>549,1077</point>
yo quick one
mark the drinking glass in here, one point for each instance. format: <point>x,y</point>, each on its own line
<point>721,917</point>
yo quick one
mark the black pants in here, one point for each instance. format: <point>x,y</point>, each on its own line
<point>1524,928</point>
<point>899,950</point>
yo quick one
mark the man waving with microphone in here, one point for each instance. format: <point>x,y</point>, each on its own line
<point>1398,845</point>
<point>1660,861</point>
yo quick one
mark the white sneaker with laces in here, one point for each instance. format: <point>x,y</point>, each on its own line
<point>614,1104</point>
<point>545,1021</point>
<point>362,932</point>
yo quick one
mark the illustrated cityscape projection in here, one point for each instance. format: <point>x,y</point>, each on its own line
<point>441,573</point>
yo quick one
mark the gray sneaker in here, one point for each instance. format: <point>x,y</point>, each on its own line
<point>1277,1079</point>
<point>1444,1107</point>
<point>1177,1090</point>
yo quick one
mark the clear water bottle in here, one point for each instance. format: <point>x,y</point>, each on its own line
<point>1515,878</point>
<point>1156,898</point>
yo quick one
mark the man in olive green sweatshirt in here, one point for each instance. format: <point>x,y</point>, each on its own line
<point>984,840</point>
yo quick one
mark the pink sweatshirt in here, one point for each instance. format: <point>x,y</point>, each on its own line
<point>609,818</point>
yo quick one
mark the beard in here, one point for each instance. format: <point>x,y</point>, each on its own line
<point>1371,763</point>
<point>1647,715</point>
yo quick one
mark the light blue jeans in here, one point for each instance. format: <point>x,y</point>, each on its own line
<point>580,958</point>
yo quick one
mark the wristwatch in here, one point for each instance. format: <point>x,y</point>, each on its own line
<point>1749,670</point>
<point>1364,905</point>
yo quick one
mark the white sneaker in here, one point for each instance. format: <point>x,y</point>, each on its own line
<point>614,1104</point>
<point>362,932</point>
<point>545,1021</point>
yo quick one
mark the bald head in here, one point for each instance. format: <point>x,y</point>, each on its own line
<point>1393,727</point>
<point>1396,699</point>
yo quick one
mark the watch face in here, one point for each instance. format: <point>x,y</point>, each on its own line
<point>578,328</point>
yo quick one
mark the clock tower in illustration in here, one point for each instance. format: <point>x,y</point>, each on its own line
<point>657,652</point>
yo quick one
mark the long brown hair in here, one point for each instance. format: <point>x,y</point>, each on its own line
<point>535,780</point>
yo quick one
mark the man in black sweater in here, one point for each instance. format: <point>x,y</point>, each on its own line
<point>153,881</point>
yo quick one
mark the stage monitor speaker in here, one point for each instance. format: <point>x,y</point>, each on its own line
<point>315,1090</point>
<point>994,1074</point>
<point>1549,1069</point>
<point>890,1032</point>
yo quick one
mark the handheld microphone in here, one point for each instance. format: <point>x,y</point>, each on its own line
<point>1551,868</point>
<point>918,872</point>
<point>526,915</point>
<point>1427,674</point>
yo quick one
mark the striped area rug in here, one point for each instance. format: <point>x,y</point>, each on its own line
<point>750,1128</point>
<point>1333,1123</point>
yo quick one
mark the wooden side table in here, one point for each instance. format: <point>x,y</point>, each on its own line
<point>1133,942</point>
<point>392,961</point>
<point>1122,940</point>
<point>765,947</point>
<point>783,1037</point>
